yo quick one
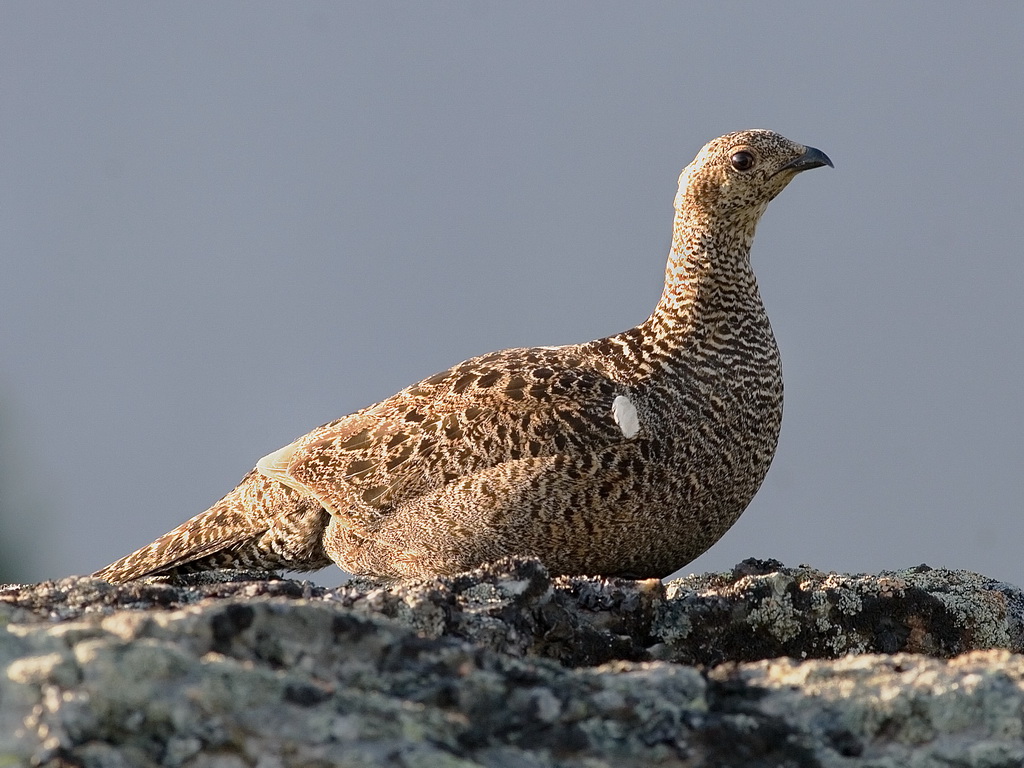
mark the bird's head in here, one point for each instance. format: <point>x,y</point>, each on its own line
<point>735,176</point>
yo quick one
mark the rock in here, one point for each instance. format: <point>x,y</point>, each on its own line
<point>762,610</point>
<point>505,666</point>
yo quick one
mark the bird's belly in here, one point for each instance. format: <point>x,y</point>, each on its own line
<point>704,471</point>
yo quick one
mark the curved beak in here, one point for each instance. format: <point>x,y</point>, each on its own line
<point>811,158</point>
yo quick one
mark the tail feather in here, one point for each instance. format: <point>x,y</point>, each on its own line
<point>259,525</point>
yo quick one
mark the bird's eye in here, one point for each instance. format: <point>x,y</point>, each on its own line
<point>742,161</point>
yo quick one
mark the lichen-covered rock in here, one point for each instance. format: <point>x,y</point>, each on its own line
<point>505,666</point>
<point>762,610</point>
<point>902,711</point>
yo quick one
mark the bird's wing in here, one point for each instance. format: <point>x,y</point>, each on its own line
<point>501,407</point>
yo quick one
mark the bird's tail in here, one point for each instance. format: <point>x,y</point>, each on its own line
<point>260,525</point>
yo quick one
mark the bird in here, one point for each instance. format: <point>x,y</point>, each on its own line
<point>627,456</point>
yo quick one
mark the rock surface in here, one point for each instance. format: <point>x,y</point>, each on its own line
<point>507,667</point>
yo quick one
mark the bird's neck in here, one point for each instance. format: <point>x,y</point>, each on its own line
<point>708,275</point>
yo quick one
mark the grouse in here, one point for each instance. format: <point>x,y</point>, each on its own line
<point>625,456</point>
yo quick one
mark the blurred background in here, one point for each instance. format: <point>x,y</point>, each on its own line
<point>224,224</point>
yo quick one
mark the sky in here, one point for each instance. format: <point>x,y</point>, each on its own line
<point>224,224</point>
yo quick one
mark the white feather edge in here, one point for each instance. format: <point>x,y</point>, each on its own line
<point>276,466</point>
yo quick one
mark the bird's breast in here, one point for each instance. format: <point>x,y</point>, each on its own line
<point>714,405</point>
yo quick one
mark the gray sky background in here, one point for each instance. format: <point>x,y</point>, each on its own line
<point>224,224</point>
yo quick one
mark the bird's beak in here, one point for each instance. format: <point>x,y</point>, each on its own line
<point>811,158</point>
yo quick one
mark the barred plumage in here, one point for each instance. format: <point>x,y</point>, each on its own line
<point>628,455</point>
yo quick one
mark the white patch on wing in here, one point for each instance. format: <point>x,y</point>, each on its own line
<point>625,415</point>
<point>275,465</point>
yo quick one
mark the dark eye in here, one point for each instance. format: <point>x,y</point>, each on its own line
<point>742,161</point>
